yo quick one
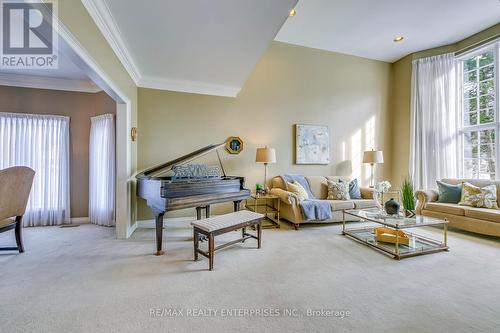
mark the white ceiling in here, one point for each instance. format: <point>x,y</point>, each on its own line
<point>212,46</point>
<point>66,69</point>
<point>366,28</point>
<point>200,46</point>
<point>67,76</point>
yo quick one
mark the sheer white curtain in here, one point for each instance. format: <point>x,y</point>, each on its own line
<point>434,123</point>
<point>40,142</point>
<point>102,170</point>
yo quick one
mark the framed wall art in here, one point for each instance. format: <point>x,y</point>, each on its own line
<point>312,144</point>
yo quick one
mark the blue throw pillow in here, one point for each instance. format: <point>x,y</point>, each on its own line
<point>354,191</point>
<point>449,193</point>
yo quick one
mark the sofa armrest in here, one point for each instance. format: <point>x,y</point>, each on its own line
<point>285,196</point>
<point>367,192</point>
<point>424,196</point>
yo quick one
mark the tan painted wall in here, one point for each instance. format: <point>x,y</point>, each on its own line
<point>79,107</point>
<point>290,85</point>
<point>400,119</point>
<point>401,100</point>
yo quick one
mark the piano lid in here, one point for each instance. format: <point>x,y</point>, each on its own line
<point>165,167</point>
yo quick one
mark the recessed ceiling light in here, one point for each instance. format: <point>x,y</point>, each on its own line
<point>398,39</point>
<point>292,12</point>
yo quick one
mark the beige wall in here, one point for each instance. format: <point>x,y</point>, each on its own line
<point>400,119</point>
<point>401,100</point>
<point>290,85</point>
<point>79,107</point>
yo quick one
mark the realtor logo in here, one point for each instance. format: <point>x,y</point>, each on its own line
<point>29,40</point>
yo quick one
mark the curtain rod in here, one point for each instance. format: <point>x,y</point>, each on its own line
<point>475,45</point>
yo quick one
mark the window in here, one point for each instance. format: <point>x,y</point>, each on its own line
<point>480,114</point>
<point>40,142</point>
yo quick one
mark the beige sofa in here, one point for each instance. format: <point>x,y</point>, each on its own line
<point>479,220</point>
<point>290,209</point>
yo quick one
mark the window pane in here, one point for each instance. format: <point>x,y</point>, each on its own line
<point>487,87</point>
<point>470,77</point>
<point>486,116</point>
<point>470,152</point>
<point>487,151</point>
<point>486,58</point>
<point>470,119</point>
<point>486,168</point>
<point>487,72</point>
<point>487,136</point>
<point>470,64</point>
<point>470,138</point>
<point>470,105</point>
<point>470,91</point>
<point>486,101</point>
<point>471,168</point>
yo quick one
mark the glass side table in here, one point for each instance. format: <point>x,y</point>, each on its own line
<point>267,204</point>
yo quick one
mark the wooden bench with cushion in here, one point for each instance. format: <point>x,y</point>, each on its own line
<point>222,224</point>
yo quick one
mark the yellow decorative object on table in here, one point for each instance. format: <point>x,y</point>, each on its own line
<point>388,235</point>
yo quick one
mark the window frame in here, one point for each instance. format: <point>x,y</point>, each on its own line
<point>495,46</point>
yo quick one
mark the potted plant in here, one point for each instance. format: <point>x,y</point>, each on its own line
<point>408,195</point>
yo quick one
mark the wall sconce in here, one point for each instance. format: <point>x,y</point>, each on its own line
<point>133,133</point>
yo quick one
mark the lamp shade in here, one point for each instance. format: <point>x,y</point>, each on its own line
<point>373,156</point>
<point>265,155</point>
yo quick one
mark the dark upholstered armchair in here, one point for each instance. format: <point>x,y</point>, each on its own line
<point>15,188</point>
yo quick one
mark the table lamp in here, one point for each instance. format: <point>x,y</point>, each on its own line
<point>373,157</point>
<point>265,155</point>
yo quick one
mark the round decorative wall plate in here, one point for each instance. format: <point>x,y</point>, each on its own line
<point>234,145</point>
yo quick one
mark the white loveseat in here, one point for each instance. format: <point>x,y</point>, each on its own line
<point>290,206</point>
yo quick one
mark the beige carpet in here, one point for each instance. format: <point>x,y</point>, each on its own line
<point>83,280</point>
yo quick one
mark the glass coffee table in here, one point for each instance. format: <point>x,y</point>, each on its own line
<point>403,243</point>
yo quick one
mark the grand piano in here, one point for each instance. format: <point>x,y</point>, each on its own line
<point>177,185</point>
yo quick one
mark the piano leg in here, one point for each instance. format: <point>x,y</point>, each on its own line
<point>198,213</point>
<point>207,211</point>
<point>159,234</point>
<point>237,205</point>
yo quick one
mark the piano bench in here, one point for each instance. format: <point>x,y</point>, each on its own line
<point>222,224</point>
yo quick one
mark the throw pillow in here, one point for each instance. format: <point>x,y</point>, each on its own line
<point>449,193</point>
<point>338,191</point>
<point>298,190</point>
<point>354,191</point>
<point>480,197</point>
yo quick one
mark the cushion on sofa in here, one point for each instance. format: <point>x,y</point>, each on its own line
<point>318,186</point>
<point>338,191</point>
<point>354,191</point>
<point>298,190</point>
<point>480,197</point>
<point>491,215</point>
<point>364,203</point>
<point>449,193</point>
<point>338,179</point>
<point>341,204</point>
<point>447,208</point>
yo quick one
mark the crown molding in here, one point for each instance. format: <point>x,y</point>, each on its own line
<point>193,87</point>
<point>44,82</point>
<point>100,13</point>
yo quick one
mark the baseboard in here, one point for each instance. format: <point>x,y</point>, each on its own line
<point>132,228</point>
<point>80,220</point>
<point>150,224</point>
